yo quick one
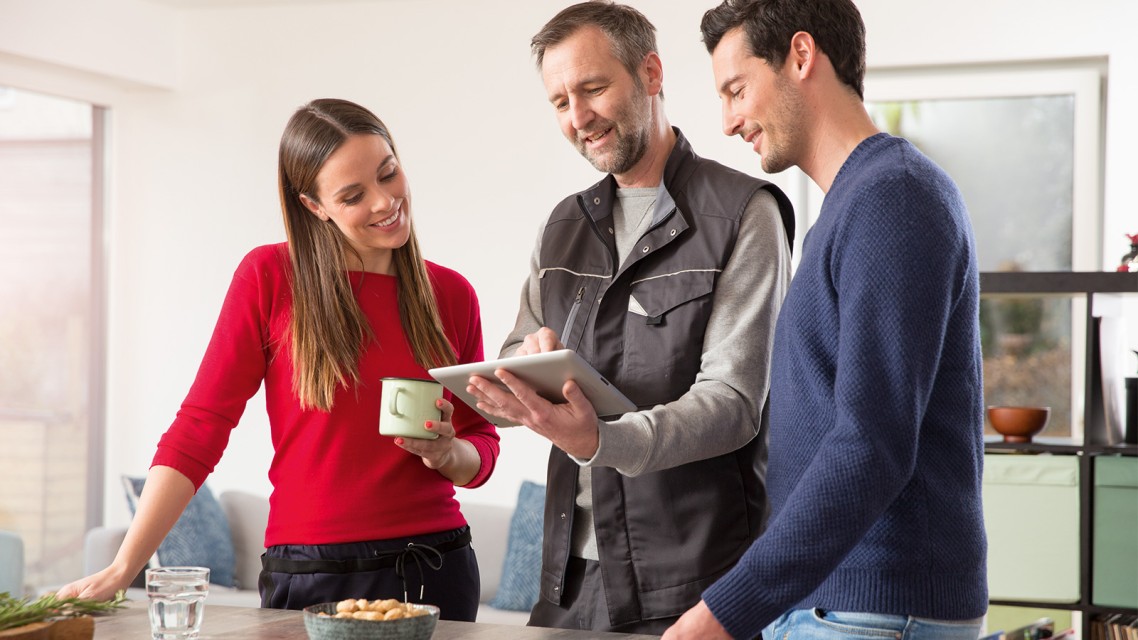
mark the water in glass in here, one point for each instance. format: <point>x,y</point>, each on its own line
<point>177,601</point>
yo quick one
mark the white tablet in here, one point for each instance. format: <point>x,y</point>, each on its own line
<point>546,372</point>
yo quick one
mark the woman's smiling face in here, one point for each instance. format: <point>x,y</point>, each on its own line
<point>362,190</point>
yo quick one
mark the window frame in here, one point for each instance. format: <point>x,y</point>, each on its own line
<point>93,489</point>
<point>1085,80</point>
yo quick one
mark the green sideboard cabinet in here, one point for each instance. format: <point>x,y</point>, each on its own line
<point>1115,548</point>
<point>1031,512</point>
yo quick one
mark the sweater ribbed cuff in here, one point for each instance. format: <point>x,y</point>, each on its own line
<point>486,455</point>
<point>738,606</point>
<point>625,444</point>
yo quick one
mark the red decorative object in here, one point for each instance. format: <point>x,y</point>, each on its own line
<point>1018,424</point>
<point>1130,260</point>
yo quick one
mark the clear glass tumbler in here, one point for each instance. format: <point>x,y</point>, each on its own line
<point>177,601</point>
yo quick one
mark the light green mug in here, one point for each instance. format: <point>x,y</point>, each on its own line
<point>406,403</point>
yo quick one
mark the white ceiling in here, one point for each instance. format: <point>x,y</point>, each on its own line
<point>203,4</point>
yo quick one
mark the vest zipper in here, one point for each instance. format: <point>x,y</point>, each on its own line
<point>572,316</point>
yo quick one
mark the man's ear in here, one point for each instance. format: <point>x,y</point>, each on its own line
<point>313,207</point>
<point>803,54</point>
<point>653,70</point>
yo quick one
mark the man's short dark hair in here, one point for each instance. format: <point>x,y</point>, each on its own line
<point>631,35</point>
<point>835,25</point>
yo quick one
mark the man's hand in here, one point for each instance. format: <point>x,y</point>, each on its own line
<point>571,426</point>
<point>542,340</point>
<point>697,624</point>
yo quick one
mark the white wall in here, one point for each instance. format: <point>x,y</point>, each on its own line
<point>198,98</point>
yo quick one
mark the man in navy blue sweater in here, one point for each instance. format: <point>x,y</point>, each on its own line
<point>876,438</point>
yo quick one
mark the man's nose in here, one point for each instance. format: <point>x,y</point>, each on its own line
<point>732,123</point>
<point>580,113</point>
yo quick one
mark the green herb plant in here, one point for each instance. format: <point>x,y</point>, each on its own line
<point>15,612</point>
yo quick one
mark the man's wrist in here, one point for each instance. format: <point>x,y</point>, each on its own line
<point>587,460</point>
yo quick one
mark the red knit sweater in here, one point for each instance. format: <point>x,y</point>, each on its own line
<point>335,479</point>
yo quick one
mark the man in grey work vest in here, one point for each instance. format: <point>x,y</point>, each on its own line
<point>667,276</point>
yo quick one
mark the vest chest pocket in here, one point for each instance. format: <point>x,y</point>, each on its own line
<point>664,328</point>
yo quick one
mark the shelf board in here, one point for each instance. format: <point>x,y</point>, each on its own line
<point>1056,445</point>
<point>1057,282</point>
<point>1064,606</point>
<point>1031,604</point>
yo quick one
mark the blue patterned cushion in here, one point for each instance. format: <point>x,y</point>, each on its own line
<point>200,537</point>
<point>521,570</point>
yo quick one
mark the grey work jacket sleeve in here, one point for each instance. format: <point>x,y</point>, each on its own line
<point>722,410</point>
<point>529,309</point>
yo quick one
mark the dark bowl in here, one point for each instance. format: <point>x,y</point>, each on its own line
<point>329,628</point>
<point>1018,424</point>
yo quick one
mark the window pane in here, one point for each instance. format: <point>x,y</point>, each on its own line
<point>1027,356</point>
<point>45,319</point>
<point>1013,159</point>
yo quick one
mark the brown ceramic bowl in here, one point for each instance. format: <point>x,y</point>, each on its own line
<point>1018,424</point>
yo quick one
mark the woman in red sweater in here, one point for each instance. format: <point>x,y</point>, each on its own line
<point>319,320</point>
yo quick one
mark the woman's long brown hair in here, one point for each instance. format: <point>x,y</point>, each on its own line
<point>328,329</point>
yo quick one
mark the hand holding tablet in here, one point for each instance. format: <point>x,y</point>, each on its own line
<point>546,372</point>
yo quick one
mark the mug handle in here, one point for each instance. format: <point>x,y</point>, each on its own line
<point>393,406</point>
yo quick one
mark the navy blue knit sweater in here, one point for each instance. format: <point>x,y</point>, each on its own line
<point>876,436</point>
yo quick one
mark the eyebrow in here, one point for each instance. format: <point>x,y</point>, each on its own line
<point>729,81</point>
<point>355,185</point>
<point>600,79</point>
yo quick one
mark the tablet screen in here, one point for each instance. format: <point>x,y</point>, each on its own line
<point>546,373</point>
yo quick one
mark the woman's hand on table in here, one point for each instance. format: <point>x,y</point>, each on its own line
<point>101,586</point>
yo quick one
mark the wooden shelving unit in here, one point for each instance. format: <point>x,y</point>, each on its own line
<point>1093,443</point>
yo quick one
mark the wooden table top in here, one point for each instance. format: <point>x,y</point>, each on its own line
<point>279,624</point>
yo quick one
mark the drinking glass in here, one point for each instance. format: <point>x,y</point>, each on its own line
<point>177,601</point>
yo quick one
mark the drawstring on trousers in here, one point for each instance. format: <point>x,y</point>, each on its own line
<point>420,553</point>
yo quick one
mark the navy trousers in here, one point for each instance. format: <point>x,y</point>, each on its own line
<point>297,576</point>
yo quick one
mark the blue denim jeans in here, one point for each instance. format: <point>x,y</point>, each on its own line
<point>815,624</point>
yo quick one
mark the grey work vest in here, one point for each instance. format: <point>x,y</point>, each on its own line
<point>663,537</point>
